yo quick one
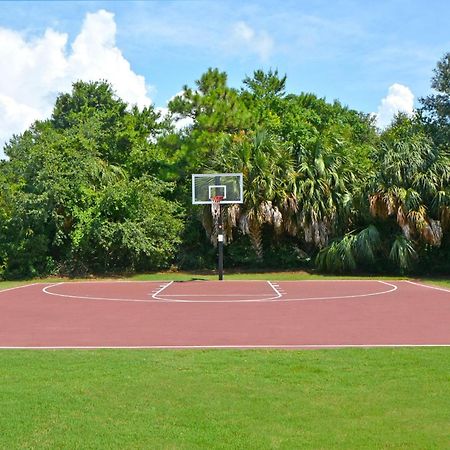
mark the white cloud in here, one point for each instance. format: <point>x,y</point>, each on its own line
<point>95,55</point>
<point>180,123</point>
<point>399,99</point>
<point>14,117</point>
<point>34,70</point>
<point>243,36</point>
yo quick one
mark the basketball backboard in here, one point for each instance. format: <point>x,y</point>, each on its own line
<point>205,186</point>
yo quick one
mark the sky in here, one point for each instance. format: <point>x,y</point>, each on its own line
<point>375,56</point>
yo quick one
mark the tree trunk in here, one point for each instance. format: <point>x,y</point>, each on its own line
<point>256,240</point>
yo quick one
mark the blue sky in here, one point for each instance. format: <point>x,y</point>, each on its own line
<point>353,51</point>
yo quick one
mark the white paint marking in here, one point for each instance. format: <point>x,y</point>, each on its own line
<point>167,298</point>
<point>344,297</point>
<point>164,286</point>
<point>82,297</point>
<point>274,287</point>
<point>329,280</point>
<point>210,295</point>
<point>19,287</point>
<point>175,300</point>
<point>231,346</point>
<point>429,287</point>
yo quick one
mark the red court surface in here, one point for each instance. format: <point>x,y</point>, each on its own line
<point>224,314</point>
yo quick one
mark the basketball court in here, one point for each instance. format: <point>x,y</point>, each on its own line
<point>224,314</point>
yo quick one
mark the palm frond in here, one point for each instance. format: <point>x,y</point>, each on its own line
<point>403,253</point>
<point>366,244</point>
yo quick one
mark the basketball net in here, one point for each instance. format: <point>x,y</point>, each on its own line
<point>215,206</point>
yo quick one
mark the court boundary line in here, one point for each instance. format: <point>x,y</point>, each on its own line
<point>210,295</point>
<point>280,295</point>
<point>80,297</point>
<point>273,286</point>
<point>165,286</point>
<point>219,346</point>
<point>167,297</point>
<point>262,300</point>
<point>18,287</point>
<point>345,297</point>
<point>437,288</point>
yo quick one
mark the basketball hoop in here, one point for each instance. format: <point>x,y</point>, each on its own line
<point>215,206</point>
<point>215,189</point>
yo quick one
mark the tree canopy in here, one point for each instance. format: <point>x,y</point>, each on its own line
<point>80,191</point>
<point>102,186</point>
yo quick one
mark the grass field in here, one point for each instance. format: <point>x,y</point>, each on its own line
<point>187,276</point>
<point>325,399</point>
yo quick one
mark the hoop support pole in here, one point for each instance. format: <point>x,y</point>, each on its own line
<point>220,243</point>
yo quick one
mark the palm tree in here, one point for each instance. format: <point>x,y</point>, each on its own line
<point>325,187</point>
<point>412,184</point>
<point>403,253</point>
<point>355,248</point>
<point>266,164</point>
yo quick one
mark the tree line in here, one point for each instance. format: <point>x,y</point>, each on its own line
<point>104,187</point>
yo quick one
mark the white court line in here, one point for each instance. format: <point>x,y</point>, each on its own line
<point>18,287</point>
<point>429,287</point>
<point>209,295</point>
<point>161,299</point>
<point>165,286</point>
<point>231,346</point>
<point>343,297</point>
<point>83,297</point>
<point>274,287</point>
<point>328,280</point>
<point>169,297</point>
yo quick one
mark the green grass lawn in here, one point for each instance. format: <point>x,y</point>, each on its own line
<point>224,399</point>
<point>188,276</point>
<point>443,282</point>
<point>272,276</point>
